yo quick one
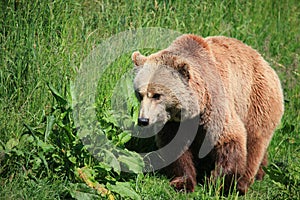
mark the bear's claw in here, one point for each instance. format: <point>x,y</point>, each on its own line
<point>183,184</point>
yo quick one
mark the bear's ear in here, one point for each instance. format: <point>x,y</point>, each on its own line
<point>183,69</point>
<point>138,59</point>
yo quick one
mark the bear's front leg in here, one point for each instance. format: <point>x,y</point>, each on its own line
<point>184,173</point>
<point>231,157</point>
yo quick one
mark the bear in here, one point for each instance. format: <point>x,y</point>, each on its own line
<point>231,91</point>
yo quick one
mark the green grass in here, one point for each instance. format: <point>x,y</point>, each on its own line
<point>43,43</point>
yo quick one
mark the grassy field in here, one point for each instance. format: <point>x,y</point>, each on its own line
<point>42,46</point>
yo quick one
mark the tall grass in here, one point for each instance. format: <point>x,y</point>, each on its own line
<point>43,43</point>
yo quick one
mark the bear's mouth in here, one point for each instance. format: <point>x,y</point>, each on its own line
<point>151,129</point>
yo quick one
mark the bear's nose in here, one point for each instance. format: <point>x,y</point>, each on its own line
<point>143,121</point>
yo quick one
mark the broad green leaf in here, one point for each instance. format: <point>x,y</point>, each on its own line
<point>36,163</point>
<point>17,152</point>
<point>11,143</point>
<point>59,98</point>
<point>104,166</point>
<point>81,191</point>
<point>124,137</point>
<point>49,126</point>
<point>124,190</point>
<point>134,164</point>
<point>72,159</point>
<point>26,138</point>
<point>111,160</point>
<point>83,195</point>
<point>43,158</point>
<point>46,147</point>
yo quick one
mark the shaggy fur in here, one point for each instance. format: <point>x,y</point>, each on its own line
<point>234,92</point>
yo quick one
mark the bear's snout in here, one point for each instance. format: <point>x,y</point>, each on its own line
<point>143,121</point>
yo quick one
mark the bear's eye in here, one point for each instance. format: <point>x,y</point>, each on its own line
<point>156,96</point>
<point>139,96</point>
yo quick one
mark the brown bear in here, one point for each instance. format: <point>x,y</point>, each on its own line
<point>232,91</point>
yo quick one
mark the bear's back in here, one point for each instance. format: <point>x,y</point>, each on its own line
<point>247,77</point>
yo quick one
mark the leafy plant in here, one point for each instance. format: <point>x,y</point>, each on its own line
<point>56,148</point>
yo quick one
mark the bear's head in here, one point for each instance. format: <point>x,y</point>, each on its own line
<point>162,86</point>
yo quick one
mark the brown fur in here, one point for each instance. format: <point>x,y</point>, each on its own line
<point>234,91</point>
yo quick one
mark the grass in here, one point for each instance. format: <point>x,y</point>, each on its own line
<point>42,45</point>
